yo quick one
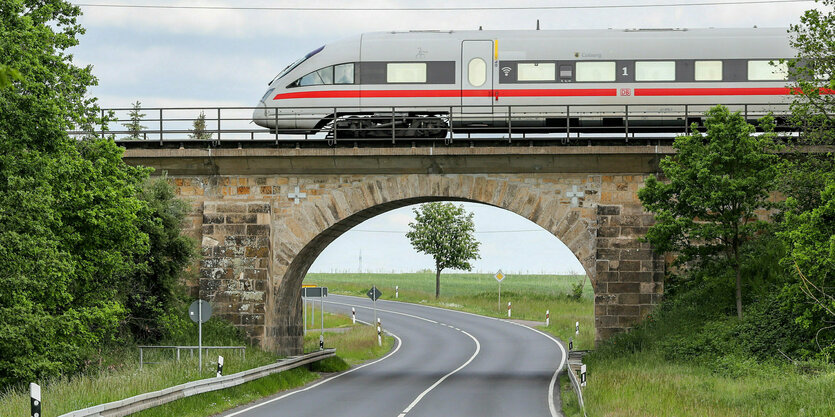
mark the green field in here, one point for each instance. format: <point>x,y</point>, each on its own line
<point>530,295</point>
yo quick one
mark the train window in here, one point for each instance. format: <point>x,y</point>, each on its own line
<point>708,71</point>
<point>765,71</point>
<point>536,71</point>
<point>318,77</point>
<point>655,71</point>
<point>477,72</point>
<point>595,71</point>
<point>343,73</point>
<point>406,72</point>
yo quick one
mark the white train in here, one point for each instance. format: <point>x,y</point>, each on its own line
<point>426,82</point>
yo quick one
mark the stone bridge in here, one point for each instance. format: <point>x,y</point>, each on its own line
<point>264,215</point>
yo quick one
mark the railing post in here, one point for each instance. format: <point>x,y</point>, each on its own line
<point>218,125</point>
<point>160,127</point>
<point>451,132</point>
<point>140,359</point>
<point>686,121</point>
<point>334,125</point>
<point>393,123</point>
<point>626,121</point>
<point>276,126</point>
<point>567,123</point>
<point>509,125</point>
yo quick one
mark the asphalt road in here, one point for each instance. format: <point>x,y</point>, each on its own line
<point>445,364</point>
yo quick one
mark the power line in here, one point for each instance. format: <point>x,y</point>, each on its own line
<point>435,9</point>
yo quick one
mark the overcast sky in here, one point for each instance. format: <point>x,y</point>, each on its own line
<point>192,58</point>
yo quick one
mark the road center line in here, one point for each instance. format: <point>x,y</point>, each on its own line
<point>438,382</point>
<point>399,344</point>
<point>551,406</point>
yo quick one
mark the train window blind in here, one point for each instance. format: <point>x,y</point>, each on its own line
<point>595,71</point>
<point>477,72</point>
<point>708,70</point>
<point>766,71</point>
<point>406,72</point>
<point>343,73</point>
<point>536,71</point>
<point>655,71</point>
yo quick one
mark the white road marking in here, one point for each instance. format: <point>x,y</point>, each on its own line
<point>399,343</point>
<point>438,382</point>
<point>551,406</point>
<point>385,311</point>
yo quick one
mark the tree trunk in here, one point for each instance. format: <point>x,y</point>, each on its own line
<point>437,282</point>
<point>738,291</point>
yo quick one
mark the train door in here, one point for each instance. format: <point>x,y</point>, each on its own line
<point>477,76</point>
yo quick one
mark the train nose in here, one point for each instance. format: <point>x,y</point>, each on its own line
<point>259,115</point>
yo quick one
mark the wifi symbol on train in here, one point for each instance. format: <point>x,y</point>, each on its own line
<point>506,71</point>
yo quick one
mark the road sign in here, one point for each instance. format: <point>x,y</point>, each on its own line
<point>499,276</point>
<point>314,291</point>
<point>374,294</point>
<point>196,315</point>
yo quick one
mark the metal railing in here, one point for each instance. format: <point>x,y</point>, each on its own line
<point>191,349</point>
<point>564,123</point>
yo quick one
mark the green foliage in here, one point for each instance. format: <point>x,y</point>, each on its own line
<point>715,185</point>
<point>153,291</point>
<point>813,104</point>
<point>445,232</point>
<point>810,239</point>
<point>577,289</point>
<point>7,74</point>
<point>134,126</point>
<point>199,128</point>
<point>77,233</point>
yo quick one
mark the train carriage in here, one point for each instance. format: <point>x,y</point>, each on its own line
<point>422,83</point>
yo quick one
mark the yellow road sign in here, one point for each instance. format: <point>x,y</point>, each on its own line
<point>499,276</point>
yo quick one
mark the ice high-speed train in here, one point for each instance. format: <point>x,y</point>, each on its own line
<point>489,79</point>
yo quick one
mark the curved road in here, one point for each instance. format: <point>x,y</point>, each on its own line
<point>445,363</point>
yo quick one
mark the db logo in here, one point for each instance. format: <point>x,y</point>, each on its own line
<point>625,91</point>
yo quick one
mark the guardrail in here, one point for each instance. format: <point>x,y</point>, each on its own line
<point>153,399</point>
<point>449,123</point>
<point>575,384</point>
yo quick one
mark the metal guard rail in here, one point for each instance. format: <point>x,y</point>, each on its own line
<point>152,399</point>
<point>509,122</point>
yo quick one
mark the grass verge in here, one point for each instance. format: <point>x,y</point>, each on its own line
<point>648,385</point>
<point>568,399</point>
<point>68,394</point>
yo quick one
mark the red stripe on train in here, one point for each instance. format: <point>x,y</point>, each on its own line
<point>566,92</point>
<point>763,91</point>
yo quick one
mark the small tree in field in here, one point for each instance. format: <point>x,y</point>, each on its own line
<point>199,128</point>
<point>715,184</point>
<point>444,231</point>
<point>134,126</point>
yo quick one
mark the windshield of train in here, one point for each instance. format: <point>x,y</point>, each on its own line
<point>292,66</point>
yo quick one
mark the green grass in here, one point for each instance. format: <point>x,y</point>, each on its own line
<point>647,385</point>
<point>570,403</point>
<point>126,380</point>
<point>530,295</point>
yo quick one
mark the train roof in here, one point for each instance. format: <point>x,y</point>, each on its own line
<point>681,33</point>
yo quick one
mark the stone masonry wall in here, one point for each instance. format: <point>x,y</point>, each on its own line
<point>258,241</point>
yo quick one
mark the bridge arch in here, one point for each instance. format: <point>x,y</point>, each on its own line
<point>261,233</point>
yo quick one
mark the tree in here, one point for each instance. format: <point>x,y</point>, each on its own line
<point>445,232</point>
<point>199,128</point>
<point>134,126</point>
<point>805,175</point>
<point>715,184</point>
<point>810,242</point>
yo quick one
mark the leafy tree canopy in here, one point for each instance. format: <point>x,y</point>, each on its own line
<point>445,232</point>
<point>706,208</point>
